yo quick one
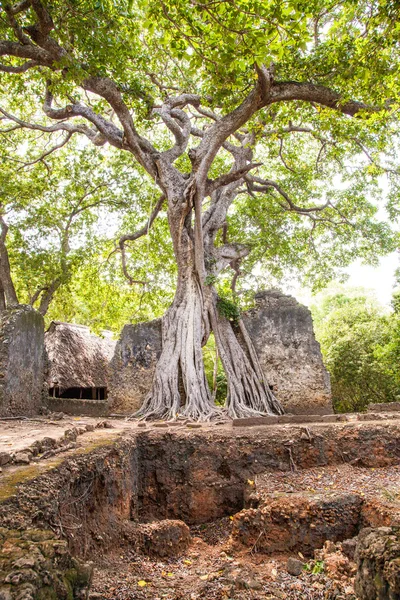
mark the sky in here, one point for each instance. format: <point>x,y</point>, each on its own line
<point>379,279</point>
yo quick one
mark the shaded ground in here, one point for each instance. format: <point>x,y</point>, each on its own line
<point>209,571</point>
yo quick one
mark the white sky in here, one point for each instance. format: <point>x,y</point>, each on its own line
<point>379,279</point>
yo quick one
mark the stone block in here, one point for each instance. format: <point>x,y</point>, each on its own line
<point>133,365</point>
<point>21,361</point>
<point>75,406</point>
<point>282,332</point>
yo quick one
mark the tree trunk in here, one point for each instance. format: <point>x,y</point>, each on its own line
<point>183,334</point>
<point>185,328</point>
<point>10,294</point>
<point>248,391</point>
<point>181,356</point>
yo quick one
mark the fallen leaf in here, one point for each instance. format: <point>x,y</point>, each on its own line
<point>250,482</point>
<point>142,583</point>
<point>203,577</point>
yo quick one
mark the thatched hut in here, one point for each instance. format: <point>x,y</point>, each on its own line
<point>78,362</point>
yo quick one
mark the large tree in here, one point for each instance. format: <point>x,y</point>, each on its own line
<point>234,84</point>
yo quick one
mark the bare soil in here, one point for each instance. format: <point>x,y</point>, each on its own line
<point>210,571</point>
<point>216,568</point>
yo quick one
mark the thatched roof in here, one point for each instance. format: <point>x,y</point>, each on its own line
<point>77,357</point>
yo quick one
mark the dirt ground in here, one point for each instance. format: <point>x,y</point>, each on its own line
<point>16,435</point>
<point>215,568</point>
<point>210,570</point>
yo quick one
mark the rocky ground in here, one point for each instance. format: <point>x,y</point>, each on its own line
<point>182,511</point>
<point>211,570</point>
<point>215,566</point>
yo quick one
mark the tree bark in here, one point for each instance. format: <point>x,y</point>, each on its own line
<point>181,356</point>
<point>185,329</point>
<point>7,284</point>
<point>248,391</point>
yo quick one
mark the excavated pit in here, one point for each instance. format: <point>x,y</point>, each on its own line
<point>142,493</point>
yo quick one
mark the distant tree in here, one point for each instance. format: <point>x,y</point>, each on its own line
<point>276,120</point>
<point>49,215</point>
<point>356,337</point>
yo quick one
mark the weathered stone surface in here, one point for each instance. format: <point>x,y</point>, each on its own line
<point>378,564</point>
<point>297,522</point>
<point>34,564</point>
<point>21,361</point>
<point>166,538</point>
<point>75,406</point>
<point>282,331</point>
<point>5,458</point>
<point>349,547</point>
<point>294,566</point>
<point>22,458</point>
<point>384,407</point>
<point>132,367</point>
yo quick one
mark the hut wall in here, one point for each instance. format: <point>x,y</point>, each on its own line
<point>21,361</point>
<point>133,364</point>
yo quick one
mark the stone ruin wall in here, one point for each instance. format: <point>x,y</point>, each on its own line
<point>21,361</point>
<point>282,332</point>
<point>132,367</point>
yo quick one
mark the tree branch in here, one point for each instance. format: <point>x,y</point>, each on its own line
<point>227,178</point>
<point>130,237</point>
<point>265,184</point>
<point>48,152</point>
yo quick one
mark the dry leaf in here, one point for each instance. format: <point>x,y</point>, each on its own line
<point>142,583</point>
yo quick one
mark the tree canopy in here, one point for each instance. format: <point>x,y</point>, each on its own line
<point>360,344</point>
<point>267,131</point>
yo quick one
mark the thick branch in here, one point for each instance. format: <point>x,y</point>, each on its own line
<point>309,92</point>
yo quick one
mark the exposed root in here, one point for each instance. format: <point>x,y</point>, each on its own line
<point>248,392</point>
<point>181,353</point>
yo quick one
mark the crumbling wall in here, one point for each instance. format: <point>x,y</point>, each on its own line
<point>21,361</point>
<point>133,364</point>
<point>282,331</point>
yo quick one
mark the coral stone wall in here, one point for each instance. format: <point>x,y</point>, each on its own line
<point>133,364</point>
<point>283,334</point>
<point>21,361</point>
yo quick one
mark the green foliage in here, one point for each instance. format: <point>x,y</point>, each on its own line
<point>228,309</point>
<point>210,279</point>
<point>215,373</point>
<point>151,49</point>
<point>359,349</point>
